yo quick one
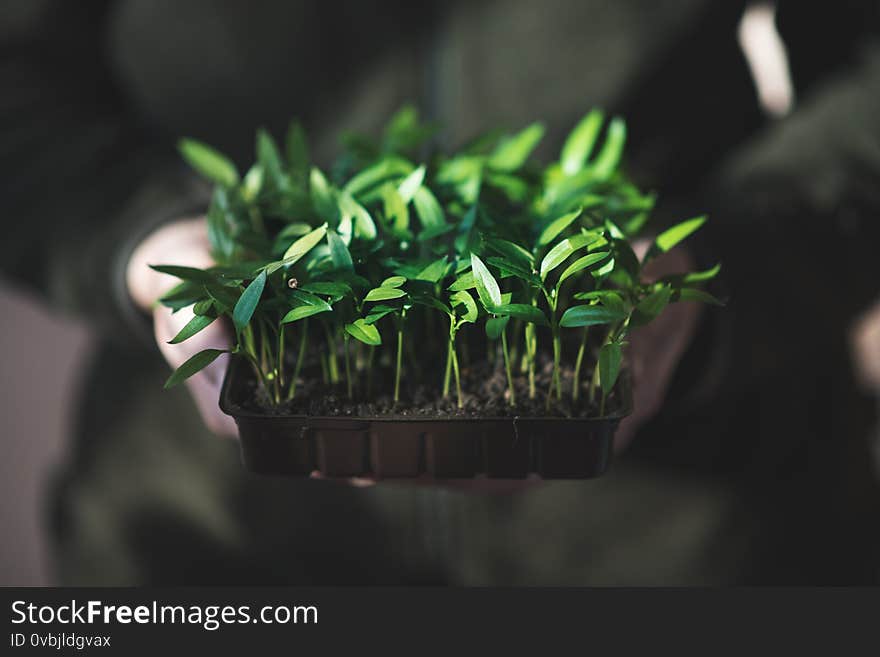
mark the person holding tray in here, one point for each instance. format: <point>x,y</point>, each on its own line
<point>748,460</point>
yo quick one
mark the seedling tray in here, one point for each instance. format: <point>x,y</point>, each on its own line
<point>390,447</point>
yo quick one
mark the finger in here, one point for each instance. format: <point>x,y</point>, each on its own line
<point>655,351</point>
<point>865,347</point>
<point>204,386</point>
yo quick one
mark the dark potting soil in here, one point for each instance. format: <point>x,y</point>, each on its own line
<point>484,394</point>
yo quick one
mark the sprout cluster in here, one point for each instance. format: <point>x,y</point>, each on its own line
<point>385,247</point>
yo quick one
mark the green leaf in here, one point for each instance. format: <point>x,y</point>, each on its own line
<point>555,227</point>
<point>512,186</point>
<point>513,152</point>
<point>297,150</point>
<point>609,157</point>
<point>434,272</point>
<point>627,260</point>
<point>610,357</point>
<point>582,263</point>
<point>269,159</point>
<point>430,301</point>
<point>525,312</point>
<point>428,209</point>
<point>590,316</point>
<point>487,286</point>
<point>247,302</point>
<point>605,269</point>
<point>395,209</point>
<point>196,324</point>
<point>364,226</point>
<point>208,162</point>
<point>220,222</point>
<point>285,236</point>
<point>463,298</point>
<point>701,276</point>
<point>322,196</point>
<point>303,245</point>
<point>384,294</point>
<point>389,167</point>
<point>187,273</point>
<point>560,253</point>
<point>689,279</point>
<point>509,269</point>
<point>465,174</point>
<point>327,288</point>
<point>651,306</point>
<point>301,312</point>
<point>495,327</point>
<point>464,282</point>
<point>672,236</point>
<point>410,185</point>
<point>366,333</point>
<point>224,298</point>
<point>195,364</point>
<point>614,302</point>
<point>434,231</point>
<point>601,295</point>
<point>339,253</point>
<point>404,132</point>
<point>580,142</point>
<point>252,183</point>
<point>512,251</point>
<point>378,312</point>
<point>203,307</point>
<point>695,294</point>
<point>393,281</point>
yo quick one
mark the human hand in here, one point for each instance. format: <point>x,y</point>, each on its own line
<point>183,242</point>
<point>656,348</point>
<point>865,348</point>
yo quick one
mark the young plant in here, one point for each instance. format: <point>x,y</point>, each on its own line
<point>319,271</point>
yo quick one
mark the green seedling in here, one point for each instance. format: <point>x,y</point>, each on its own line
<point>383,264</point>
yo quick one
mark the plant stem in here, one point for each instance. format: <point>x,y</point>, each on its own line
<point>531,353</point>
<point>250,352</point>
<point>271,368</point>
<point>457,376</point>
<point>256,365</point>
<point>594,382</point>
<point>447,376</point>
<point>332,363</point>
<point>576,383</point>
<point>555,382</point>
<point>514,349</point>
<point>557,366</point>
<point>399,359</point>
<point>507,367</point>
<point>279,369</point>
<point>347,367</point>
<point>602,405</point>
<point>324,372</point>
<point>263,345</point>
<point>372,352</point>
<point>299,359</point>
<point>450,353</point>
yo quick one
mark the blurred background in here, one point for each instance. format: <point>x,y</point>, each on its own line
<point>42,355</point>
<point>760,468</point>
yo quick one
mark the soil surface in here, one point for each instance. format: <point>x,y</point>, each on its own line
<point>484,394</point>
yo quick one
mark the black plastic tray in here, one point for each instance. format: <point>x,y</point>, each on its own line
<point>403,447</point>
